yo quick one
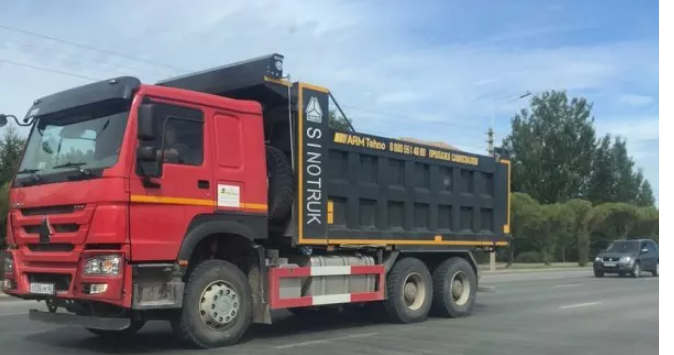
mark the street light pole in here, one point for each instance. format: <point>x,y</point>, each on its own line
<point>490,149</point>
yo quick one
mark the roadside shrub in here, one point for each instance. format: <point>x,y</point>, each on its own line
<point>529,257</point>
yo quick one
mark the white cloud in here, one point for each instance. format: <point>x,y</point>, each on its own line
<point>635,100</point>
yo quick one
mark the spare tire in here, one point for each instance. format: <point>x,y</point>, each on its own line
<point>281,186</point>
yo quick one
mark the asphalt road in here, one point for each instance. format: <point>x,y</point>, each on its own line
<point>533,313</point>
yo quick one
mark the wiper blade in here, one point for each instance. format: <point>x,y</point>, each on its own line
<point>68,165</point>
<point>33,173</point>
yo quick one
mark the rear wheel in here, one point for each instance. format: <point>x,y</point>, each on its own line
<point>131,330</point>
<point>409,291</point>
<point>454,287</point>
<point>217,307</point>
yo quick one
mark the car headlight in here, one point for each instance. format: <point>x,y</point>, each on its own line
<point>625,259</point>
<point>9,265</point>
<point>103,265</point>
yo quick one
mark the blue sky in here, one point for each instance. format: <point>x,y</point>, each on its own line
<point>438,68</point>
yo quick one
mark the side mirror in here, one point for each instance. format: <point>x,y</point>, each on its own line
<point>146,154</point>
<point>145,120</point>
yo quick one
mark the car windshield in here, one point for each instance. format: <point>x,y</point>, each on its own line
<point>87,138</point>
<point>624,246</point>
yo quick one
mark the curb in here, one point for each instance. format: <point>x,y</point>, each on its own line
<point>515,271</point>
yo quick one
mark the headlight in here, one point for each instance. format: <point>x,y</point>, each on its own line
<point>103,265</point>
<point>9,265</point>
<point>625,259</point>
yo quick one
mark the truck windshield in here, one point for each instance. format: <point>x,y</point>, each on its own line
<point>80,140</point>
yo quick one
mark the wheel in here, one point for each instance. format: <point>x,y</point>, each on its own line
<point>454,287</point>
<point>217,306</point>
<point>281,185</point>
<point>636,270</point>
<point>131,330</point>
<point>409,291</point>
<point>656,271</point>
<point>598,273</point>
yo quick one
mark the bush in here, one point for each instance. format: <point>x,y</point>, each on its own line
<point>529,257</point>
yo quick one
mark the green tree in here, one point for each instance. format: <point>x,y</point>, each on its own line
<point>523,217</point>
<point>11,148</point>
<point>613,177</point>
<point>581,212</point>
<point>4,210</point>
<point>339,122</point>
<point>614,220</point>
<point>648,224</point>
<point>645,197</point>
<point>552,145</point>
<point>562,225</point>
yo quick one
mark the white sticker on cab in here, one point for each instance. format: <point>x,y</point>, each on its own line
<point>229,196</point>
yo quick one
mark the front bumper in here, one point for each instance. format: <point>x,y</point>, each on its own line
<point>619,267</point>
<point>67,276</point>
<point>101,323</point>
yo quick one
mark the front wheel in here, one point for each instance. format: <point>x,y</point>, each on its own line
<point>217,307</point>
<point>636,270</point>
<point>409,291</point>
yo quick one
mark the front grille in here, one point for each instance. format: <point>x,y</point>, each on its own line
<point>54,247</point>
<point>61,281</point>
<point>58,228</point>
<point>611,259</point>
<point>38,211</point>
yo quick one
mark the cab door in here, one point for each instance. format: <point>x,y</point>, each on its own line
<point>163,206</point>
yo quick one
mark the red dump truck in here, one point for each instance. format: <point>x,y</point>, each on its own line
<point>211,199</point>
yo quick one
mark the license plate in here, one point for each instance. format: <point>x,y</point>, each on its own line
<point>42,289</point>
<point>610,263</point>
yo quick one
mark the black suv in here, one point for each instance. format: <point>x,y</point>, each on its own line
<point>628,257</point>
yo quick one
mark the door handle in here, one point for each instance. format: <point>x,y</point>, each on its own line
<point>203,184</point>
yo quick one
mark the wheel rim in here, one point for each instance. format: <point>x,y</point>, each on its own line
<point>460,288</point>
<point>414,291</point>
<point>219,304</point>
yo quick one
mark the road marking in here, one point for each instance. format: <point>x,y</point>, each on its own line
<point>322,341</point>
<point>578,305</point>
<point>567,285</point>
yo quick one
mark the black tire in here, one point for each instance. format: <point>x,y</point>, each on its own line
<point>281,185</point>
<point>396,305</point>
<point>114,334</point>
<point>189,325</point>
<point>636,270</point>
<point>444,302</point>
<point>656,271</point>
<point>598,273</point>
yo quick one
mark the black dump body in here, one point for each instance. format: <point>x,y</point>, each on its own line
<point>361,190</point>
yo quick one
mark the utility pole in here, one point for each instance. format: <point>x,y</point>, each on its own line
<point>491,151</point>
